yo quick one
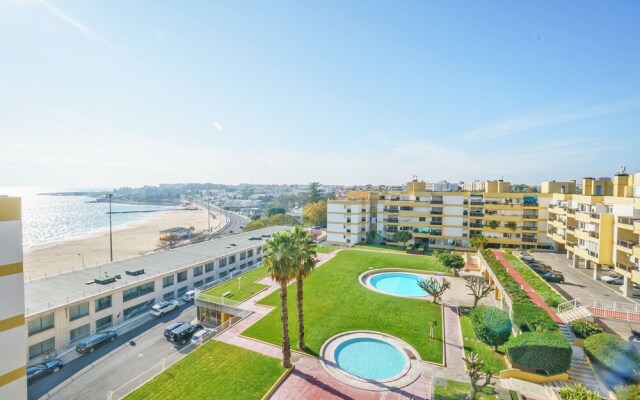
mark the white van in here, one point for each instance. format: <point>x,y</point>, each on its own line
<point>190,295</point>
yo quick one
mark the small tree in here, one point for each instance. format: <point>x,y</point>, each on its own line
<point>451,260</point>
<point>511,225</point>
<point>478,241</point>
<point>434,288</point>
<point>493,224</point>
<point>475,369</point>
<point>402,236</point>
<point>374,237</point>
<point>479,288</point>
<point>491,325</point>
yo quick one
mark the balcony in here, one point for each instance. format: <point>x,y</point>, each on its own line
<point>626,244</point>
<point>476,225</point>
<point>529,228</point>
<point>436,222</point>
<point>530,216</point>
<point>476,214</point>
<point>530,204</point>
<point>594,235</point>
<point>465,202</point>
<point>465,212</point>
<point>390,210</point>
<point>436,201</point>
<point>391,220</point>
<point>571,211</point>
<point>529,240</point>
<point>436,212</point>
<point>594,215</point>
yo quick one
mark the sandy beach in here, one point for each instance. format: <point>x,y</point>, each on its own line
<point>128,241</point>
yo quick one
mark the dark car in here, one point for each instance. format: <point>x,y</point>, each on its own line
<point>38,371</point>
<point>539,268</point>
<point>182,334</point>
<point>553,277</point>
<point>89,344</point>
<point>170,327</point>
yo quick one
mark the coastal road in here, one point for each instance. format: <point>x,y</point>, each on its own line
<point>93,375</point>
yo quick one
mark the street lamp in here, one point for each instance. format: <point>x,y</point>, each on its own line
<point>82,259</point>
<point>109,196</point>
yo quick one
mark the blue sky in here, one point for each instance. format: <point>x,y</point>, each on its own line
<point>107,93</point>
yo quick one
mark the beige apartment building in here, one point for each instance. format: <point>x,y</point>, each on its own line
<point>13,333</point>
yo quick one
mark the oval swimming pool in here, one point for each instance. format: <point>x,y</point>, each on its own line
<point>370,359</point>
<point>398,283</point>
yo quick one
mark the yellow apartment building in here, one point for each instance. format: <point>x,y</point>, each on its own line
<point>13,333</point>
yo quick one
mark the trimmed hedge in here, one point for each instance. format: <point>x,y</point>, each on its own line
<point>508,283</point>
<point>542,288</point>
<point>577,391</point>
<point>491,325</point>
<point>584,328</point>
<point>531,318</point>
<point>614,353</point>
<point>548,351</point>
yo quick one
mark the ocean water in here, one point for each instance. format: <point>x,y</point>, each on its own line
<point>51,218</point>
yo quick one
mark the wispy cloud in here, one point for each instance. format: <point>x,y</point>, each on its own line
<point>217,125</point>
<point>525,123</point>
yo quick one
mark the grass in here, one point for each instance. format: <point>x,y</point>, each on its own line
<point>214,371</point>
<point>494,362</point>
<point>550,296</point>
<point>336,302</point>
<point>395,249</point>
<point>458,391</point>
<point>323,248</point>
<point>248,287</point>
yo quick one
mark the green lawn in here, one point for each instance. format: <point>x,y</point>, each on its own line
<point>336,302</point>
<point>493,361</point>
<point>395,249</point>
<point>550,296</point>
<point>214,371</point>
<point>458,391</point>
<point>248,287</point>
<point>323,248</point>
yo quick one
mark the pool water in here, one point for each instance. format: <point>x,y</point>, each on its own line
<point>368,358</point>
<point>399,283</point>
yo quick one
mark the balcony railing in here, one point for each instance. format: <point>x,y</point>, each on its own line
<point>530,204</point>
<point>436,201</point>
<point>390,210</point>
<point>571,211</point>
<point>436,222</point>
<point>525,216</point>
<point>529,240</point>
<point>594,235</point>
<point>626,244</point>
<point>436,212</point>
<point>476,225</point>
<point>529,228</point>
<point>476,214</point>
<point>594,215</point>
<point>625,220</point>
<point>571,228</point>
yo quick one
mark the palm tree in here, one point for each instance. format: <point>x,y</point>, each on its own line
<point>305,256</point>
<point>278,261</point>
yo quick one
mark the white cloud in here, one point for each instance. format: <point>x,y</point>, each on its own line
<point>217,125</point>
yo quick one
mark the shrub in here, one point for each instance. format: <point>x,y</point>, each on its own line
<point>531,318</point>
<point>584,328</point>
<point>491,325</point>
<point>630,392</point>
<point>508,283</point>
<point>548,351</point>
<point>577,391</point>
<point>613,352</point>
<point>451,260</point>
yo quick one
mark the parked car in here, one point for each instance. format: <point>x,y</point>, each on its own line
<point>613,279</point>
<point>540,268</point>
<point>553,277</point>
<point>38,371</point>
<point>636,289</point>
<point>170,327</point>
<point>525,256</point>
<point>183,334</point>
<point>164,307</point>
<point>89,344</point>
<point>190,295</point>
<point>200,335</point>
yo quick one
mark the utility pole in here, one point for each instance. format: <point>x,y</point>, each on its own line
<point>109,196</point>
<point>208,216</point>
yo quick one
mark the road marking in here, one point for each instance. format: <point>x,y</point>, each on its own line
<point>140,355</point>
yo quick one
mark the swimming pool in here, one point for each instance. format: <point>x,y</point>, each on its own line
<point>398,283</point>
<point>369,358</point>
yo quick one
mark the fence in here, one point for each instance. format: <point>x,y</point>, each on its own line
<point>158,368</point>
<point>604,308</point>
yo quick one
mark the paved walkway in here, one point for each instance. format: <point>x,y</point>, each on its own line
<point>535,298</point>
<point>453,345</point>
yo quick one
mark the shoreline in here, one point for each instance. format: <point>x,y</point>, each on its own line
<point>129,240</point>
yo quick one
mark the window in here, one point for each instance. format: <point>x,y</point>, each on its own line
<point>223,262</point>
<point>242,266</point>
<point>208,267</point>
<point>79,333</point>
<point>232,259</point>
<point>259,250</point>
<point>104,322</point>
<point>224,273</point>
<point>42,347</point>
<point>78,311</point>
<point>169,296</point>
<point>182,276</point>
<point>250,253</point>
<point>103,303</point>
<point>250,263</point>
<point>209,279</point>
<point>243,255</point>
<point>232,269</point>
<point>197,284</point>
<point>137,309</point>
<point>40,324</point>
<point>182,290</point>
<point>197,271</point>
<point>130,294</point>
<point>167,281</point>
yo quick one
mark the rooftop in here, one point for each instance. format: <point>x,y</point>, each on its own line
<point>46,293</point>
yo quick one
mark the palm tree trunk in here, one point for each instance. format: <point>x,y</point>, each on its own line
<point>301,344</point>
<point>286,343</point>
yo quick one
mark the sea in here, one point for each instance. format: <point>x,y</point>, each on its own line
<point>47,218</point>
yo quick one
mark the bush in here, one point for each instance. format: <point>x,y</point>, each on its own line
<point>451,260</point>
<point>577,391</point>
<point>548,351</point>
<point>508,283</point>
<point>491,325</point>
<point>630,392</point>
<point>614,353</point>
<point>531,318</point>
<point>584,328</point>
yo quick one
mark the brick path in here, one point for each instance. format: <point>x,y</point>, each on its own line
<point>535,298</point>
<point>453,345</point>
